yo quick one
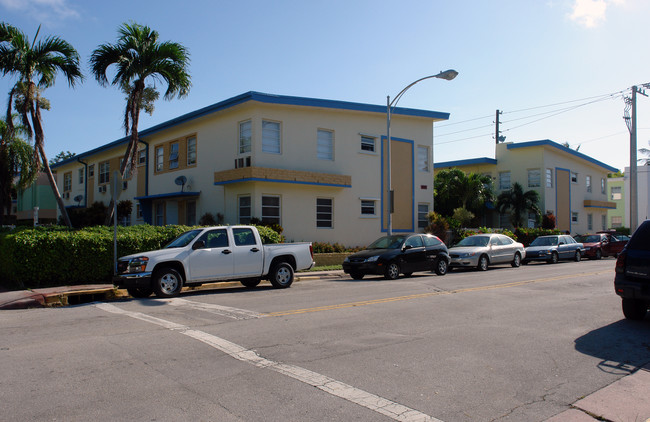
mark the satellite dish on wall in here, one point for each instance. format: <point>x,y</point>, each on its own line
<point>78,199</point>
<point>180,181</point>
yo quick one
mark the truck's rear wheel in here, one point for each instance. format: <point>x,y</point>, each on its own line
<point>281,275</point>
<point>167,282</point>
<point>139,292</point>
<point>634,309</point>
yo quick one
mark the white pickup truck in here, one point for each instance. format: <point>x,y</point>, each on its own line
<point>212,254</point>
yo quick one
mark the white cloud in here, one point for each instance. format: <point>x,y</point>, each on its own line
<point>48,12</point>
<point>591,13</point>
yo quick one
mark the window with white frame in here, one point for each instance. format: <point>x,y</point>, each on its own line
<point>423,158</point>
<point>590,221</point>
<point>160,214</point>
<point>534,178</point>
<point>271,209</point>
<point>423,215</point>
<point>603,222</point>
<point>190,213</point>
<point>574,217</point>
<point>191,151</point>
<point>588,183</point>
<point>504,180</point>
<point>91,171</point>
<point>244,209</point>
<point>574,177</point>
<point>67,182</point>
<point>325,144</point>
<point>368,143</point>
<point>549,178</point>
<point>324,213</point>
<point>81,176</point>
<point>245,137</point>
<point>602,186</point>
<point>617,221</point>
<point>617,193</point>
<point>270,137</point>
<point>368,207</point>
<point>160,158</point>
<point>173,155</point>
<point>104,172</point>
<point>142,157</point>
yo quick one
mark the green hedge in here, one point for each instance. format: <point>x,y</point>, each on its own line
<point>53,256</point>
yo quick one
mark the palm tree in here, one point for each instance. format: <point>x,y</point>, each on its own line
<point>454,188</point>
<point>29,62</point>
<point>519,203</point>
<point>138,56</point>
<point>15,161</point>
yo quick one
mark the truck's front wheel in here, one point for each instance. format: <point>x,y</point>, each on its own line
<point>167,282</point>
<point>139,292</point>
<point>281,275</point>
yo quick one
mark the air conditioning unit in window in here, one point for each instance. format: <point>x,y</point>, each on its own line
<point>102,189</point>
<point>242,162</point>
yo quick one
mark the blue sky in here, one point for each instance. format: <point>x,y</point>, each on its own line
<point>558,69</point>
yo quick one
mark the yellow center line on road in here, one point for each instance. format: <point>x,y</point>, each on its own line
<point>423,295</point>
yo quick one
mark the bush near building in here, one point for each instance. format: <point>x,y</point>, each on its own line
<point>55,256</point>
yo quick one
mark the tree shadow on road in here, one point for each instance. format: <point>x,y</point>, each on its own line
<point>623,346</point>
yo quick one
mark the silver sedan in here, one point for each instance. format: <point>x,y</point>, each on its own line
<point>482,250</point>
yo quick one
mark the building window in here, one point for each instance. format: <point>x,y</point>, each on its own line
<point>104,172</point>
<point>138,211</point>
<point>368,207</point>
<point>367,143</point>
<point>574,217</point>
<point>504,180</point>
<point>588,183</point>
<point>244,209</point>
<point>91,170</point>
<point>423,215</point>
<point>574,177</point>
<point>81,176</point>
<point>160,214</point>
<point>271,137</point>
<point>325,147</point>
<point>160,158</point>
<point>324,212</point>
<point>245,136</point>
<point>142,157</point>
<point>617,193</point>
<point>173,156</point>
<point>67,182</point>
<point>617,222</point>
<point>603,222</point>
<point>549,178</point>
<point>127,169</point>
<point>534,178</point>
<point>423,158</point>
<point>190,213</point>
<point>191,151</point>
<point>271,209</point>
<point>602,186</point>
<point>590,221</point>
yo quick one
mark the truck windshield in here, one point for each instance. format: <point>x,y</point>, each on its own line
<point>183,240</point>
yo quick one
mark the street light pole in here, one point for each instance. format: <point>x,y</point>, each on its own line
<point>447,75</point>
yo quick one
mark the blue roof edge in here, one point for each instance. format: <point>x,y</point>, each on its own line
<point>470,161</point>
<point>548,142</point>
<point>263,98</point>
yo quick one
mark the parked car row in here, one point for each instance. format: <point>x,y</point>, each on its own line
<point>405,254</point>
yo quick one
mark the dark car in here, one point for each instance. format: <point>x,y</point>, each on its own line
<point>601,244</point>
<point>552,248</point>
<point>632,279</point>
<point>398,254</point>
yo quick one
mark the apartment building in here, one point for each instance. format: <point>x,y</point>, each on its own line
<point>316,167</point>
<point>571,185</point>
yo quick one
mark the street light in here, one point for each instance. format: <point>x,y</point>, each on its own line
<point>447,75</point>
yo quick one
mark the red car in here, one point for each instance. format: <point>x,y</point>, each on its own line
<point>602,244</point>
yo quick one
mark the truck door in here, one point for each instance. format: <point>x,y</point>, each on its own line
<point>248,253</point>
<point>213,260</point>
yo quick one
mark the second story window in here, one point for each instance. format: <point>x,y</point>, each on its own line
<point>104,172</point>
<point>245,137</point>
<point>81,176</point>
<point>534,177</point>
<point>617,193</point>
<point>367,143</point>
<point>191,151</point>
<point>504,180</point>
<point>270,137</point>
<point>91,170</point>
<point>67,182</point>
<point>588,183</point>
<point>574,177</point>
<point>602,186</point>
<point>142,156</point>
<point>325,145</point>
<point>549,178</point>
<point>173,156</point>
<point>160,158</point>
<point>423,158</point>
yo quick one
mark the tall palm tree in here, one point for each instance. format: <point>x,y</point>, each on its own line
<point>15,162</point>
<point>454,188</point>
<point>518,203</point>
<point>138,56</point>
<point>36,65</point>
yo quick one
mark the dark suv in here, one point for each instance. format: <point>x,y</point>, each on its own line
<point>632,280</point>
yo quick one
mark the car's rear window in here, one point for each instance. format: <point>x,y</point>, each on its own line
<point>641,238</point>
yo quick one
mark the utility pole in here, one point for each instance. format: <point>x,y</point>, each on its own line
<point>630,120</point>
<point>496,132</point>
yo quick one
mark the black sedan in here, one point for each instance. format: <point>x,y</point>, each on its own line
<point>398,254</point>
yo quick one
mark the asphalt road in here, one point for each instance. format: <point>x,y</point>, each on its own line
<point>509,344</point>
